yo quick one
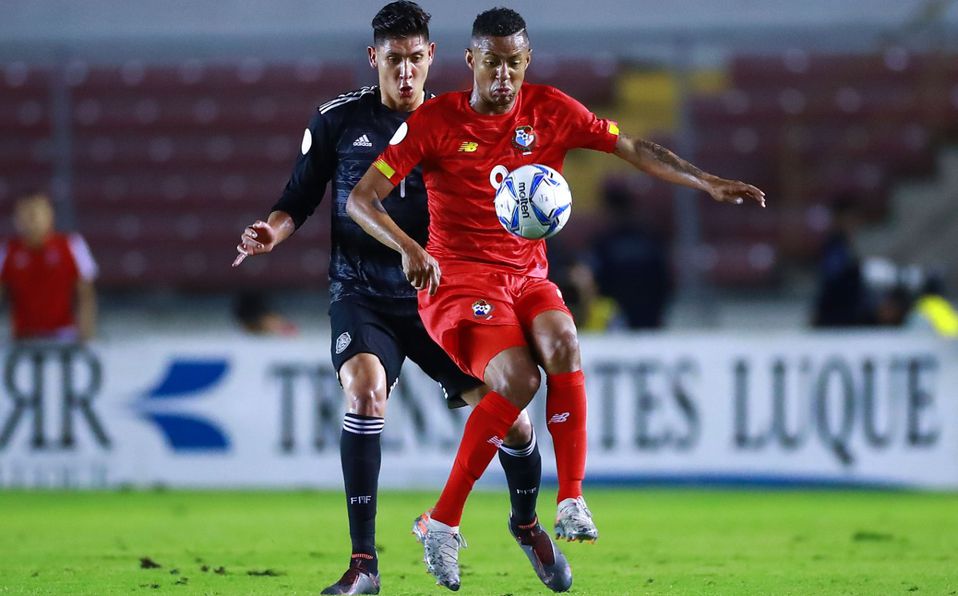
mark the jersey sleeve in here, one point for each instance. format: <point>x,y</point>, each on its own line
<point>407,148</point>
<point>312,172</point>
<point>585,130</point>
<point>86,266</point>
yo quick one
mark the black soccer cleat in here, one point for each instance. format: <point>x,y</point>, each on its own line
<point>547,560</point>
<point>356,580</point>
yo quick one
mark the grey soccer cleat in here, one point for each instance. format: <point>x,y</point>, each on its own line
<point>549,563</point>
<point>574,521</point>
<point>440,549</point>
<point>356,580</point>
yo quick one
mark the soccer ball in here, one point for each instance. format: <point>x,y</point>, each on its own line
<point>533,202</point>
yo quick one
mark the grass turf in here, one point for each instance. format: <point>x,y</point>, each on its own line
<point>652,542</point>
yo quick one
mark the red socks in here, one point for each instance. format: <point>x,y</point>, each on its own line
<point>566,408</point>
<point>484,431</point>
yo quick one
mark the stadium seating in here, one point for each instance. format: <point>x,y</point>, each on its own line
<point>26,129</point>
<point>170,160</point>
<point>807,127</point>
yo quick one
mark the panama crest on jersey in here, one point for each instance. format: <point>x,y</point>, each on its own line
<point>481,309</point>
<point>525,139</point>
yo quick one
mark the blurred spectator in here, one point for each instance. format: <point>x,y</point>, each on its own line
<point>842,299</point>
<point>593,312</point>
<point>255,315</point>
<point>631,263</point>
<point>933,311</point>
<point>48,276</point>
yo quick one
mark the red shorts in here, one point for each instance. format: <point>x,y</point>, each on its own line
<point>477,314</point>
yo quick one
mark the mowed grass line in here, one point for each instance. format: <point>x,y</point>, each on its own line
<point>652,542</point>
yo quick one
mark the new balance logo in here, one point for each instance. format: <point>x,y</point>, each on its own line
<point>495,441</point>
<point>362,141</point>
<point>558,418</point>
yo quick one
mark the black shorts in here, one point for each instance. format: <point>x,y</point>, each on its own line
<point>358,328</point>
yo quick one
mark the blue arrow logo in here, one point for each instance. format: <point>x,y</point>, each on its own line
<point>185,379</point>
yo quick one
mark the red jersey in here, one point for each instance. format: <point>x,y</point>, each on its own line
<point>41,284</point>
<point>464,157</point>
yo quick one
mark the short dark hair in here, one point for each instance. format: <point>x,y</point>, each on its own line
<point>498,22</point>
<point>400,19</point>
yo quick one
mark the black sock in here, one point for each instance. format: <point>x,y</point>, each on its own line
<point>361,454</point>
<point>523,467</point>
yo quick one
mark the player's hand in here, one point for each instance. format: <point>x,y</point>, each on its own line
<point>735,192</point>
<point>257,238</point>
<point>421,269</point>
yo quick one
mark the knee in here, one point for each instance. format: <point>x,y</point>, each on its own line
<point>561,352</point>
<point>520,386</point>
<point>366,398</point>
<point>521,431</point>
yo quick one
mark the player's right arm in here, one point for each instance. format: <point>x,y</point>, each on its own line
<point>262,236</point>
<point>304,191</point>
<point>365,207</point>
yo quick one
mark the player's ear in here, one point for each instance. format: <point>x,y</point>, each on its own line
<point>528,57</point>
<point>432,51</point>
<point>469,59</point>
<point>371,51</point>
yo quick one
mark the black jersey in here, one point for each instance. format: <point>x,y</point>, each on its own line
<point>343,139</point>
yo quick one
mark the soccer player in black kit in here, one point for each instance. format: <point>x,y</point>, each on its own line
<point>373,312</point>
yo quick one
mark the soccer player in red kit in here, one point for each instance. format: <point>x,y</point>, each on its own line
<point>48,276</point>
<point>484,293</point>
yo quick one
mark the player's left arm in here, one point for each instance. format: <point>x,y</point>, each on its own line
<point>86,309</point>
<point>658,161</point>
<point>86,269</point>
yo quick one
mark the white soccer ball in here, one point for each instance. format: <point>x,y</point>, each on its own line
<point>533,202</point>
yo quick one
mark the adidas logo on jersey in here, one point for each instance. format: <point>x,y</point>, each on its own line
<point>495,441</point>
<point>362,141</point>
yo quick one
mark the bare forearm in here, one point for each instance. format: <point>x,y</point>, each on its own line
<point>283,224</point>
<point>658,161</point>
<point>662,163</point>
<point>365,207</point>
<point>86,310</point>
<point>372,217</point>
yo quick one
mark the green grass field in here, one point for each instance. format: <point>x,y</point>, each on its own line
<point>652,542</point>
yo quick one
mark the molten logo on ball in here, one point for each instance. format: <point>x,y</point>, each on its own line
<point>533,202</point>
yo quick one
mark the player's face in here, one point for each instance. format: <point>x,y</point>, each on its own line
<point>403,63</point>
<point>498,67</point>
<point>33,218</point>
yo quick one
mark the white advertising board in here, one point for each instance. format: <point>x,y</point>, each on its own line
<point>876,409</point>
